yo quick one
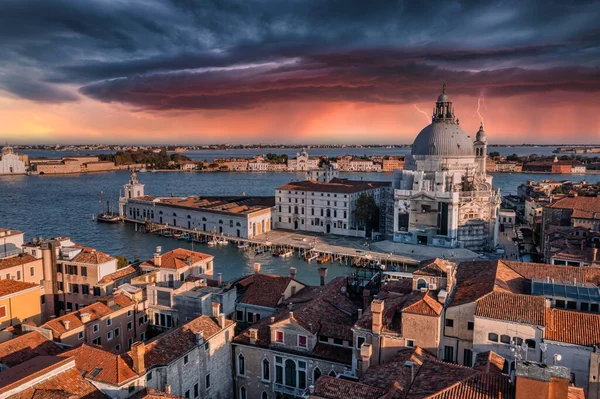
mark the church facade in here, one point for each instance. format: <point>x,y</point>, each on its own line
<point>443,196</point>
<point>11,163</point>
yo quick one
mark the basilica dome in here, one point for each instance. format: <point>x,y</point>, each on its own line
<point>444,139</point>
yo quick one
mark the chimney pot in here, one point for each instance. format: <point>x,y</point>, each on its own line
<point>322,274</point>
<point>168,389</point>
<point>221,320</point>
<point>66,323</point>
<point>272,320</point>
<point>360,312</point>
<point>293,272</point>
<point>199,337</point>
<point>219,278</point>
<point>156,260</point>
<point>253,335</point>
<point>216,309</point>
<point>138,350</point>
<point>256,267</point>
<point>291,315</point>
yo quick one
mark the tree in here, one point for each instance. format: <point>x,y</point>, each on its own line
<point>122,262</point>
<point>513,157</point>
<point>494,154</point>
<point>367,212</point>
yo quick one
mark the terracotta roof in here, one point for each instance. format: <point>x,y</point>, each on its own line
<point>119,274</point>
<point>336,388</point>
<point>263,289</point>
<point>526,309</point>
<point>65,385</point>
<point>8,287</point>
<point>479,386</point>
<point>9,232</point>
<point>101,365</point>
<point>176,342</point>
<point>178,258</point>
<point>149,393</point>
<point>26,347</point>
<point>91,256</point>
<point>589,274</point>
<point>22,259</point>
<point>29,370</point>
<point>576,328</point>
<point>576,393</point>
<point>336,185</point>
<point>96,310</point>
<point>425,306</point>
<point>478,278</point>
<point>323,309</point>
<point>403,286</point>
<point>434,267</point>
<point>223,205</point>
<point>582,207</point>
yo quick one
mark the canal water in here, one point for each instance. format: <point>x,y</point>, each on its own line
<point>50,206</point>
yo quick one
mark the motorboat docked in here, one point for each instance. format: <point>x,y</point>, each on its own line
<point>243,246</point>
<point>324,259</point>
<point>311,257</point>
<point>283,253</point>
<point>108,217</point>
<point>222,241</point>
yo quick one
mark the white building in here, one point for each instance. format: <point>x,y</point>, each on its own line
<point>323,175</point>
<point>10,163</point>
<point>302,162</point>
<point>324,207</point>
<point>443,197</point>
<point>11,242</point>
<point>239,216</point>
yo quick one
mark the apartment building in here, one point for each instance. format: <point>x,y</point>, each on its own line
<point>324,207</point>
<point>20,302</point>
<point>114,323</point>
<point>11,242</point>
<point>310,335</point>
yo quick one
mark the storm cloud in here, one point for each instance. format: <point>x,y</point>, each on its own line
<point>194,55</point>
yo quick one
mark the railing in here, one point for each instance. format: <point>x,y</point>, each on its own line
<point>6,254</point>
<point>288,390</point>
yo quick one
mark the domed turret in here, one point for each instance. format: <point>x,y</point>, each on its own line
<point>480,136</point>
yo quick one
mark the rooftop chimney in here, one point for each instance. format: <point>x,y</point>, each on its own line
<point>199,337</point>
<point>216,309</point>
<point>377,310</point>
<point>138,350</point>
<point>66,324</point>
<point>594,254</point>
<point>322,274</point>
<point>221,320</point>
<point>253,335</point>
<point>293,272</point>
<point>291,315</point>
<point>256,267</point>
<point>366,351</point>
<point>359,313</point>
<point>272,320</point>
<point>85,317</point>
<point>168,389</point>
<point>411,365</point>
<point>366,297</point>
<point>219,278</point>
<point>156,259</point>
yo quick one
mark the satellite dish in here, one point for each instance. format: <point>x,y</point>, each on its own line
<point>558,357</point>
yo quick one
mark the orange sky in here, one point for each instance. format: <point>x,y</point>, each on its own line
<point>516,119</point>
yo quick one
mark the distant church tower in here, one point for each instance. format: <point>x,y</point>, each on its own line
<point>480,145</point>
<point>133,189</point>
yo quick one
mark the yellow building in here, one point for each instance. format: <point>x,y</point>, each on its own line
<point>19,303</point>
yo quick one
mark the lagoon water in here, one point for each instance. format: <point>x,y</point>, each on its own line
<point>51,206</point>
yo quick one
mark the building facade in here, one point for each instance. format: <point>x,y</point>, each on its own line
<point>11,163</point>
<point>302,162</point>
<point>444,197</point>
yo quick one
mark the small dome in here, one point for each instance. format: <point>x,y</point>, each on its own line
<point>443,98</point>
<point>444,139</point>
<point>480,136</point>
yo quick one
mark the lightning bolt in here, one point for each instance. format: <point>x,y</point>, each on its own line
<point>480,100</point>
<point>423,112</point>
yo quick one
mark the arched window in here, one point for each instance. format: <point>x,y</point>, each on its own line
<point>518,340</point>
<point>243,394</point>
<point>530,343</point>
<point>189,217</point>
<point>421,283</point>
<point>505,339</point>
<point>204,219</point>
<point>332,373</point>
<point>174,214</point>
<point>493,337</point>
<point>238,224</point>
<point>264,395</point>
<point>296,209</point>
<point>160,213</point>
<point>328,213</point>
<point>266,370</point>
<point>220,222</point>
<point>290,373</point>
<point>241,365</point>
<point>316,374</point>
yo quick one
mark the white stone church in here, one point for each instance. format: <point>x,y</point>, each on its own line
<point>443,197</point>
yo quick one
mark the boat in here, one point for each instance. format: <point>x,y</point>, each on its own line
<point>259,251</point>
<point>311,256</point>
<point>323,259</point>
<point>142,170</point>
<point>243,246</point>
<point>283,253</point>
<point>213,242</point>
<point>184,237</point>
<point>107,215</point>
<point>222,241</point>
<point>178,235</point>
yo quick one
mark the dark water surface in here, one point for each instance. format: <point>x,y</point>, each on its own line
<point>50,206</point>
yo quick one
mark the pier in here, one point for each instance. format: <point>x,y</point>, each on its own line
<point>312,248</point>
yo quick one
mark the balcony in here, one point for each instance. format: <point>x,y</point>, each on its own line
<point>280,388</point>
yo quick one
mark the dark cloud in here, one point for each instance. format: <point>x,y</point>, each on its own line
<point>238,54</point>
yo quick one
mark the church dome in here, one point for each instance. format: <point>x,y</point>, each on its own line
<point>444,139</point>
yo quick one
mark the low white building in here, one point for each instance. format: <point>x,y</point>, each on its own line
<point>303,162</point>
<point>324,207</point>
<point>11,163</point>
<point>239,216</point>
<point>11,242</point>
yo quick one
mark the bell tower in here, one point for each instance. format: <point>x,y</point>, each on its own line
<point>443,111</point>
<point>480,146</point>
<point>133,189</point>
